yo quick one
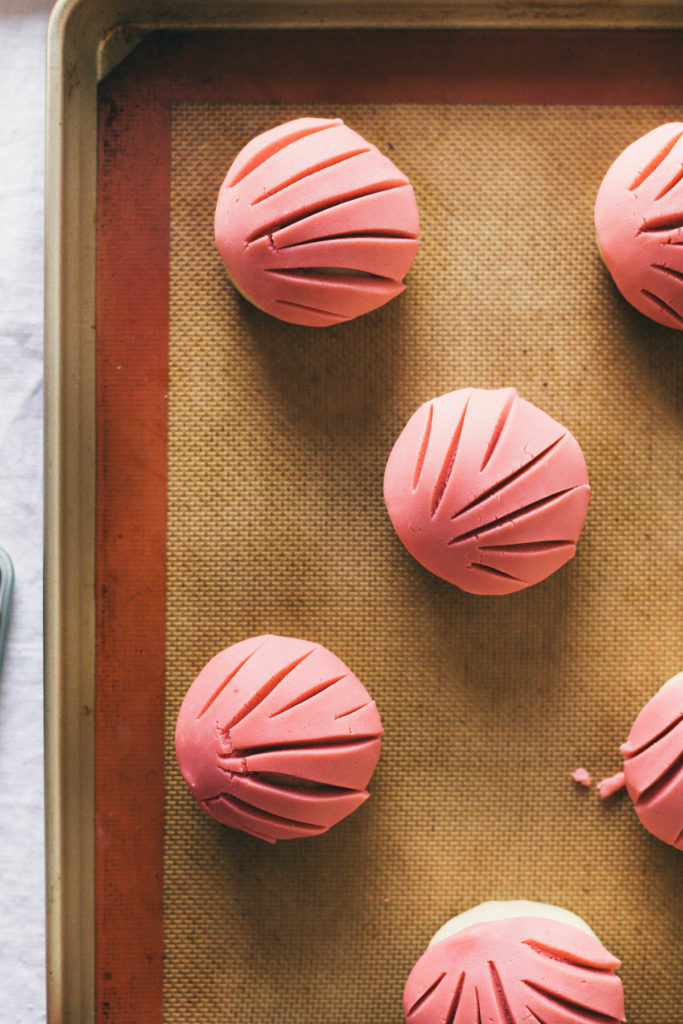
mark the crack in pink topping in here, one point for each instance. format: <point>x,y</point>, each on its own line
<point>426,994</point>
<point>423,447</point>
<point>654,163</point>
<point>513,516</point>
<point>449,461</point>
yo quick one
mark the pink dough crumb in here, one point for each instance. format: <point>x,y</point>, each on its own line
<point>606,787</point>
<point>582,776</point>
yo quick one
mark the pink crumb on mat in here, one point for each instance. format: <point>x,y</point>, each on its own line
<point>612,784</point>
<point>582,776</point>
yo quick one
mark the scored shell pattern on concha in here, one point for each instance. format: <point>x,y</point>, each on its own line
<point>639,223</point>
<point>314,224</point>
<point>486,490</point>
<point>525,970</point>
<point>277,737</point>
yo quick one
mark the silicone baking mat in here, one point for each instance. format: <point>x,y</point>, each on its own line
<point>240,492</point>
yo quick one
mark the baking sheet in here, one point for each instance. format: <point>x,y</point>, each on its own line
<point>327,411</point>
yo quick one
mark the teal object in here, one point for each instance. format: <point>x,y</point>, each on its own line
<point>6,587</point>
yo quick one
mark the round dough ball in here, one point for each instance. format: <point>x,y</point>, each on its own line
<point>639,224</point>
<point>486,490</point>
<point>653,763</point>
<point>517,961</point>
<point>314,224</point>
<point>277,737</point>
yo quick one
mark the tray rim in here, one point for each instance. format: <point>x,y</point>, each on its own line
<point>6,590</point>
<point>86,39</point>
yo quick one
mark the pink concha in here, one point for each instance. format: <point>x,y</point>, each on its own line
<point>277,737</point>
<point>314,224</point>
<point>487,491</point>
<point>653,763</point>
<point>639,223</point>
<point>524,970</point>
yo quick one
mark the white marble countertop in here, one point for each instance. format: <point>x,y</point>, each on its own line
<point>23,25</point>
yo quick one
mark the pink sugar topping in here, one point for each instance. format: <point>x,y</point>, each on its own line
<point>639,223</point>
<point>486,490</point>
<point>653,763</point>
<point>314,224</point>
<point>517,971</point>
<point>277,737</point>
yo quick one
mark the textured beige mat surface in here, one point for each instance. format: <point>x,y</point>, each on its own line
<point>278,439</point>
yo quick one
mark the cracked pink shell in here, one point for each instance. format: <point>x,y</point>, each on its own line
<point>653,763</point>
<point>525,970</point>
<point>639,224</point>
<point>277,737</point>
<point>486,490</point>
<point>314,224</point>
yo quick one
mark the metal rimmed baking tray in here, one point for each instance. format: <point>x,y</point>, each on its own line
<point>88,41</point>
